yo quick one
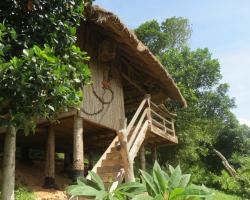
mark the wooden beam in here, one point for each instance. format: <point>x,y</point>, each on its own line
<point>137,86</point>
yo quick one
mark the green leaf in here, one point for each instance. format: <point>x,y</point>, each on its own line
<point>148,179</point>
<point>142,197</point>
<point>51,107</point>
<point>175,192</point>
<point>185,178</point>
<point>160,180</point>
<point>80,190</point>
<point>175,178</point>
<point>97,180</point>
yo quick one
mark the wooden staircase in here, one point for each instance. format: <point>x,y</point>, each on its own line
<point>117,161</point>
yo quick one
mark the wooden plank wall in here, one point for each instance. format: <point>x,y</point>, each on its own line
<point>113,112</point>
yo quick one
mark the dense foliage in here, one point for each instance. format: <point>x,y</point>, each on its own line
<point>41,71</point>
<point>208,123</point>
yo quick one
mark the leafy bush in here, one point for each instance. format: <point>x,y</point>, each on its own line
<point>174,185</point>
<point>158,186</point>
<point>227,183</point>
<point>95,188</point>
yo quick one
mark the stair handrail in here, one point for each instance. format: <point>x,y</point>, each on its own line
<point>137,113</point>
<point>99,162</point>
<point>137,128</point>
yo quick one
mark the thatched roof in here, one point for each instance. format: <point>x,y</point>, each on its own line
<point>136,49</point>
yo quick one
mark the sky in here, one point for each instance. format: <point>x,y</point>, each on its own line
<point>223,26</point>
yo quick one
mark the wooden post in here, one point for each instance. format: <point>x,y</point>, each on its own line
<point>127,162</point>
<point>49,181</point>
<point>154,154</point>
<point>78,151</point>
<point>142,158</point>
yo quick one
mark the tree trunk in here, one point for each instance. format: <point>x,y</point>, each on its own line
<point>8,181</point>
<point>78,152</point>
<point>154,154</point>
<point>49,181</point>
<point>142,158</point>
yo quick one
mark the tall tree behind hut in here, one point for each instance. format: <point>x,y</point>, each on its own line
<point>42,72</point>
<point>198,76</point>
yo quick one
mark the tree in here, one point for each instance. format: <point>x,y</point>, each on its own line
<point>42,72</point>
<point>198,75</point>
<point>172,33</point>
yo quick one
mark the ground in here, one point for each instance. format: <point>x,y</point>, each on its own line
<point>32,177</point>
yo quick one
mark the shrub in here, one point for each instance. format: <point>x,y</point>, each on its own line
<point>156,186</point>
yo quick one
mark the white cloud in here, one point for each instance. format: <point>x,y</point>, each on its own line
<point>245,121</point>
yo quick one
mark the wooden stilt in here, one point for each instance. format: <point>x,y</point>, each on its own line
<point>142,158</point>
<point>127,161</point>
<point>154,153</point>
<point>49,181</point>
<point>78,151</point>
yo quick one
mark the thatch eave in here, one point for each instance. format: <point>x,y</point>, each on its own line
<point>112,24</point>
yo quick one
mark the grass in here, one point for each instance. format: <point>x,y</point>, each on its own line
<point>22,193</point>
<point>219,195</point>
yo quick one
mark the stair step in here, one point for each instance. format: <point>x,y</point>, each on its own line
<point>108,177</point>
<point>110,162</point>
<point>115,149</point>
<point>113,156</point>
<point>108,169</point>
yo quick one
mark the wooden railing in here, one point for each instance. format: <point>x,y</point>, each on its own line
<point>159,116</point>
<point>132,136</point>
<point>162,118</point>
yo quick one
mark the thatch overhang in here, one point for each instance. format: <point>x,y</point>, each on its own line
<point>135,49</point>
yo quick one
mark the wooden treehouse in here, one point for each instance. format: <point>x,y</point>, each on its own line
<point>122,112</point>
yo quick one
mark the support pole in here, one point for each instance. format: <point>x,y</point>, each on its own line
<point>78,151</point>
<point>142,158</point>
<point>126,158</point>
<point>154,154</point>
<point>49,181</point>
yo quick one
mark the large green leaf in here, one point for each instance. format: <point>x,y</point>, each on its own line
<point>148,179</point>
<point>176,192</point>
<point>194,191</point>
<point>160,181</point>
<point>131,189</point>
<point>81,190</point>
<point>175,178</point>
<point>185,178</point>
<point>97,180</point>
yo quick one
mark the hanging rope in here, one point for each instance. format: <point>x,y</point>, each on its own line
<point>106,88</point>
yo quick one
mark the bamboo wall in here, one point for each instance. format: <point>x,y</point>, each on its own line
<point>113,112</point>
